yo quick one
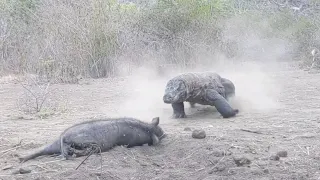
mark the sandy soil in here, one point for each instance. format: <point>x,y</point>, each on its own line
<point>278,105</point>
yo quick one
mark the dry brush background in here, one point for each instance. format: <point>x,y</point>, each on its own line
<point>65,61</point>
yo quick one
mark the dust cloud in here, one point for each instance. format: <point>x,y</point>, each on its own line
<point>145,100</point>
<point>256,90</point>
<point>253,71</point>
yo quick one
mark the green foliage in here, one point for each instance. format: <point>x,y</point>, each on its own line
<point>128,8</point>
<point>180,14</point>
<point>21,9</point>
<point>299,30</point>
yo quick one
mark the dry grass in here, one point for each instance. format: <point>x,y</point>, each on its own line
<point>64,41</point>
<point>69,41</point>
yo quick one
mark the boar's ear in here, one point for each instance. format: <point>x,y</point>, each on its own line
<point>155,121</point>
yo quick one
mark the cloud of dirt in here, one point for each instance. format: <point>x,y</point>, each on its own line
<point>257,89</point>
<point>255,67</point>
<point>253,72</point>
<point>145,100</point>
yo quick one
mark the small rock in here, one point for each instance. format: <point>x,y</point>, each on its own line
<point>220,153</point>
<point>156,164</point>
<point>241,161</point>
<point>256,171</point>
<point>22,171</point>
<point>7,167</point>
<point>262,162</point>
<point>23,118</point>
<point>217,153</point>
<point>266,171</point>
<point>158,171</point>
<point>282,153</point>
<point>15,155</point>
<point>232,172</point>
<point>275,158</point>
<point>187,129</point>
<point>143,164</point>
<point>210,171</point>
<point>214,161</point>
<point>198,134</point>
<point>218,168</point>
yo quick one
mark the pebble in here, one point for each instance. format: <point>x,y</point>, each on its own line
<point>241,161</point>
<point>256,171</point>
<point>278,155</point>
<point>22,171</point>
<point>282,153</point>
<point>198,134</point>
<point>274,158</point>
<point>217,168</point>
<point>7,167</point>
<point>266,171</point>
<point>220,153</point>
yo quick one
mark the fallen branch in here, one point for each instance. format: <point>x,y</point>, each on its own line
<point>215,165</point>
<point>94,150</point>
<point>250,131</point>
<point>85,159</point>
<point>11,149</point>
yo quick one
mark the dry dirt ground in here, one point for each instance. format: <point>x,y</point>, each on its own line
<point>279,111</point>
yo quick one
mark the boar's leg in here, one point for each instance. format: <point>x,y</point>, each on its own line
<point>78,146</point>
<point>221,104</point>
<point>86,149</point>
<point>66,151</point>
<point>178,110</point>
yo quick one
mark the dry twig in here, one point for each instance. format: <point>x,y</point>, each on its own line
<point>256,132</point>
<point>15,147</point>
<point>94,150</point>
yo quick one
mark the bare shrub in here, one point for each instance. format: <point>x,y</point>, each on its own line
<point>63,40</point>
<point>34,96</point>
<point>39,97</point>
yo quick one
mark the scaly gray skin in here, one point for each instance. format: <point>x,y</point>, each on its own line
<point>102,135</point>
<point>206,88</point>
